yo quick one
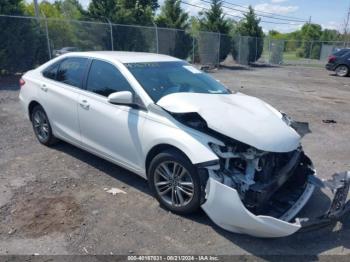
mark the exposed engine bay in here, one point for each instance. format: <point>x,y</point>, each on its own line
<point>267,182</point>
<point>261,178</point>
<point>272,187</point>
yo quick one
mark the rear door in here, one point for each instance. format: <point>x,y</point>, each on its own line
<point>112,131</point>
<point>347,59</point>
<point>59,94</point>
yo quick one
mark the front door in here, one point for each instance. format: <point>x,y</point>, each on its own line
<point>113,131</point>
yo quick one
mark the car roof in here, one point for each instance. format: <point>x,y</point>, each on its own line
<point>126,57</point>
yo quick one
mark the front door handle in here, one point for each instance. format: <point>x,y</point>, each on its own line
<point>44,87</point>
<point>84,104</point>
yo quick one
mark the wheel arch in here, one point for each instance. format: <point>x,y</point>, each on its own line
<point>31,106</point>
<point>155,150</point>
<point>343,64</point>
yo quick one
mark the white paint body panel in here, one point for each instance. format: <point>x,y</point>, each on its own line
<point>125,136</point>
<point>63,119</point>
<point>241,117</point>
<point>112,130</point>
<point>116,133</point>
<point>225,208</point>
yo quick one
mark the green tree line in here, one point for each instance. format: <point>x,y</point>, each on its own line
<point>23,42</point>
<point>307,41</point>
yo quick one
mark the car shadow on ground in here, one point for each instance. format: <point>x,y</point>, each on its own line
<point>247,67</point>
<point>262,65</point>
<point>115,171</point>
<point>310,243</point>
<point>235,67</point>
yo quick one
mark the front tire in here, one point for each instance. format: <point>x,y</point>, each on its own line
<point>42,127</point>
<point>342,70</point>
<point>175,182</point>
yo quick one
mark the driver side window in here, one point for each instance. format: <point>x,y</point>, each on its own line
<point>104,79</point>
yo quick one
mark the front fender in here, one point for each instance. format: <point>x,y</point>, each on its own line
<point>194,146</point>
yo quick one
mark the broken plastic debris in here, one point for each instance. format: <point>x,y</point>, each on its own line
<point>329,121</point>
<point>12,231</point>
<point>115,191</point>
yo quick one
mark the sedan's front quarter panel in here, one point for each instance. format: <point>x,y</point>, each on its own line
<point>163,130</point>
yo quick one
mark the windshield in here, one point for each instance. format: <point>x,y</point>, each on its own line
<point>163,78</point>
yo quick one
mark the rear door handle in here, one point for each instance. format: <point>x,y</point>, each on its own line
<point>44,87</point>
<point>84,104</point>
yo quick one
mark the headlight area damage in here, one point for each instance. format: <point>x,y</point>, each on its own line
<point>260,193</point>
<point>263,178</point>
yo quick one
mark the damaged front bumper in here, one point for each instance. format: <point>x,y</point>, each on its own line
<point>225,208</point>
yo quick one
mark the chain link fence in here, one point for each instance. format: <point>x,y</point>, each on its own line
<point>82,35</point>
<point>26,42</point>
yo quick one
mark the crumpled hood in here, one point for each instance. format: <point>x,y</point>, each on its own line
<point>241,117</point>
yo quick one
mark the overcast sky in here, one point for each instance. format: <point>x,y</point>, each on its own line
<point>329,13</point>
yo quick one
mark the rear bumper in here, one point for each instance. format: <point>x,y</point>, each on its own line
<point>330,67</point>
<point>225,208</point>
<point>24,105</point>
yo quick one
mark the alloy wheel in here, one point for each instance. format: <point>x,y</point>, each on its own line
<point>41,125</point>
<point>342,70</point>
<point>174,183</point>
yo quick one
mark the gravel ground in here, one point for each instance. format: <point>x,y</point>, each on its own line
<point>54,200</point>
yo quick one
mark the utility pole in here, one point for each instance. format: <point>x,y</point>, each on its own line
<point>36,8</point>
<point>111,32</point>
<point>157,38</point>
<point>310,44</point>
<point>47,35</point>
<point>346,26</point>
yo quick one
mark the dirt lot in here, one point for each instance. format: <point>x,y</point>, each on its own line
<point>53,200</point>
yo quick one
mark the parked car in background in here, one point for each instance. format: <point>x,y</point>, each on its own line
<point>65,50</point>
<point>339,62</point>
<point>196,142</point>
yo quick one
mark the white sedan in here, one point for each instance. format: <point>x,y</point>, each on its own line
<point>196,142</point>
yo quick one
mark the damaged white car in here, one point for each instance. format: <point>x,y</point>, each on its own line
<point>198,143</point>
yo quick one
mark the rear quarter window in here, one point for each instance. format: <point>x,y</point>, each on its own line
<point>51,71</point>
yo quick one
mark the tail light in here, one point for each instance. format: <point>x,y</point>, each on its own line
<point>331,58</point>
<point>21,82</point>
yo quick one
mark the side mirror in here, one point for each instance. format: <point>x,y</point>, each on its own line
<point>121,98</point>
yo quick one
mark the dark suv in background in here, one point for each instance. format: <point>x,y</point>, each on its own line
<point>339,62</point>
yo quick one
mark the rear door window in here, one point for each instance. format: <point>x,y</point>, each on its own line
<point>71,71</point>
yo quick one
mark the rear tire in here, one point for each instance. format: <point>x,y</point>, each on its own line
<point>342,70</point>
<point>42,127</point>
<point>175,182</point>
